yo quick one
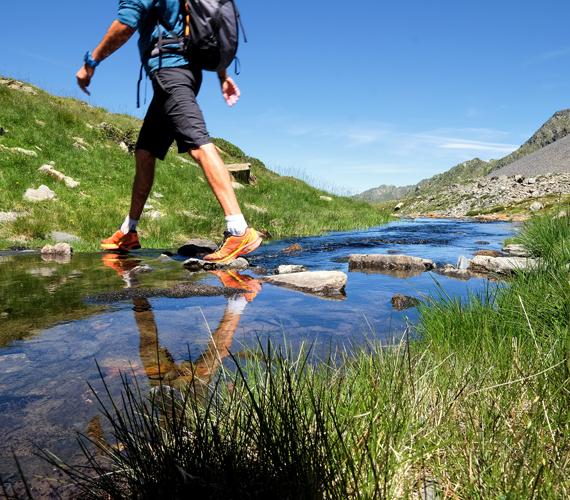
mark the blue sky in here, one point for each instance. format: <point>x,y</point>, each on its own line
<point>347,94</point>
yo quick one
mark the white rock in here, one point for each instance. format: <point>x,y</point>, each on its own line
<point>255,208</point>
<point>123,147</point>
<point>154,214</point>
<point>9,216</point>
<point>536,206</point>
<point>43,193</point>
<point>462,262</point>
<point>56,174</point>
<point>399,206</point>
<point>290,268</point>
<point>194,264</point>
<point>325,283</point>
<point>325,198</point>
<point>22,151</point>
<point>516,250</point>
<point>237,185</point>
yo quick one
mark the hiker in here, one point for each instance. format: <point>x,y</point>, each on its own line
<point>173,114</point>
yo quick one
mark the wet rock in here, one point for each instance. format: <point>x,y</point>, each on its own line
<point>62,237</point>
<point>536,206</point>
<point>56,174</point>
<point>203,265</point>
<point>43,193</point>
<point>295,247</point>
<point>142,269</point>
<point>516,250</point>
<point>402,302</point>
<point>323,283</point>
<point>501,265</point>
<point>454,272</point>
<point>396,262</point>
<point>490,253</point>
<point>197,247</point>
<point>290,268</point>
<point>58,249</point>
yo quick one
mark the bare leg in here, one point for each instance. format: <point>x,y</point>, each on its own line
<point>218,177</point>
<point>142,184</point>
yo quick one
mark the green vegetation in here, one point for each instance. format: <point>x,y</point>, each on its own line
<point>70,134</point>
<point>477,406</point>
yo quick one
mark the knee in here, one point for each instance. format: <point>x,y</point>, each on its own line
<point>203,152</point>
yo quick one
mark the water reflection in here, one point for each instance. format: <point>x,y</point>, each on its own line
<point>158,363</point>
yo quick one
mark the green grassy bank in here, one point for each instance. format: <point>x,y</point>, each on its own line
<point>69,133</point>
<point>477,407</point>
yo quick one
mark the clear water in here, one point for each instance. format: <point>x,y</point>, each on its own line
<point>52,330</point>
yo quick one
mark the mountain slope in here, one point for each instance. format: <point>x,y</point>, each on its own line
<point>385,192</point>
<point>91,146</point>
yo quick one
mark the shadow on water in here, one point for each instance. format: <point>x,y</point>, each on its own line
<point>156,317</point>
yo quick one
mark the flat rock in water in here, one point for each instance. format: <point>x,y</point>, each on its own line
<point>43,193</point>
<point>197,247</point>
<point>323,283</point>
<point>203,265</point>
<point>501,265</point>
<point>391,262</point>
<point>454,272</point>
<point>58,249</point>
<point>489,253</point>
<point>290,268</point>
<point>180,291</point>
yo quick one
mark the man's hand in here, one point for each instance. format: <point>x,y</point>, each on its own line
<point>84,76</point>
<point>230,91</point>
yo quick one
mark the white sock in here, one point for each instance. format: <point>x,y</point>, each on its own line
<point>236,224</point>
<point>237,305</point>
<point>129,225</point>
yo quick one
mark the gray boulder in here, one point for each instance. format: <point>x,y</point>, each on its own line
<point>392,262</point>
<point>501,265</point>
<point>43,193</point>
<point>323,283</point>
<point>58,249</point>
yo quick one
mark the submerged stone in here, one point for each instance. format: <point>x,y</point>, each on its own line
<point>402,302</point>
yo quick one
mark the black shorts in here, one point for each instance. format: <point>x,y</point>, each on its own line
<point>173,113</point>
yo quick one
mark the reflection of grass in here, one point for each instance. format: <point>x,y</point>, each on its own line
<point>479,407</point>
<point>94,209</point>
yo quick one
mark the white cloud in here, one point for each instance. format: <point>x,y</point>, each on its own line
<point>479,146</point>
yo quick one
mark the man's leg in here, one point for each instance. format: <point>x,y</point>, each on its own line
<point>142,184</point>
<point>218,177</point>
<point>126,238</point>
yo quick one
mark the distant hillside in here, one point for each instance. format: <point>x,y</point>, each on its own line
<point>556,128</point>
<point>554,158</point>
<point>94,148</point>
<point>385,193</point>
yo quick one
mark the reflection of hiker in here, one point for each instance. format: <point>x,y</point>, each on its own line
<point>158,362</point>
<point>173,114</point>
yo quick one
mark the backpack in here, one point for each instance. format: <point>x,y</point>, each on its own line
<point>211,34</point>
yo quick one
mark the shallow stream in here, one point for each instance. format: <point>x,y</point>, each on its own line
<point>53,327</point>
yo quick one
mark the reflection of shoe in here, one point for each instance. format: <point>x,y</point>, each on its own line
<point>234,246</point>
<point>232,279</point>
<point>121,266</point>
<point>122,241</point>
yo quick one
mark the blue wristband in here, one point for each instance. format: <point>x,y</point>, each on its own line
<point>89,61</point>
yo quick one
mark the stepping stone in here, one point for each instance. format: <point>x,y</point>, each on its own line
<point>392,262</point>
<point>324,283</point>
<point>203,265</point>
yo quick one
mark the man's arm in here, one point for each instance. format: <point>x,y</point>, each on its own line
<point>115,38</point>
<point>230,90</point>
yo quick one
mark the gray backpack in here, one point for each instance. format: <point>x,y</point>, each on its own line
<point>211,34</point>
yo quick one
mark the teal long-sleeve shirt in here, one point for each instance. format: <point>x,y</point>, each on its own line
<point>142,15</point>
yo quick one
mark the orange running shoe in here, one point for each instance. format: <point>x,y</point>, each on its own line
<point>234,246</point>
<point>233,279</point>
<point>122,241</point>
